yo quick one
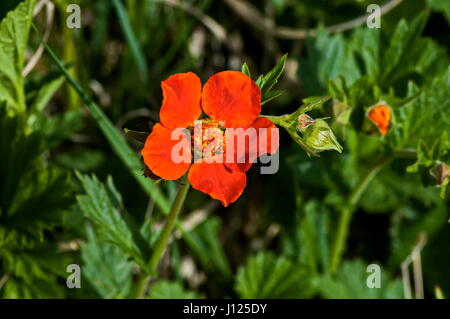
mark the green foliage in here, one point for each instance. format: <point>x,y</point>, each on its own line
<point>314,137</point>
<point>427,116</point>
<point>279,240</point>
<point>14,31</point>
<point>441,5</point>
<point>118,143</point>
<point>203,241</point>
<point>268,80</point>
<point>103,205</point>
<point>370,57</point>
<point>308,241</point>
<point>268,276</point>
<point>170,290</point>
<point>350,283</point>
<point>245,69</point>
<point>131,39</point>
<point>30,204</point>
<point>106,267</point>
<point>43,93</point>
<point>328,58</point>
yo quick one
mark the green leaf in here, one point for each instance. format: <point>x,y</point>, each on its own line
<point>14,31</point>
<point>404,50</point>
<point>45,93</point>
<point>29,203</point>
<point>429,156</point>
<point>106,267</point>
<point>171,290</point>
<point>441,5</point>
<point>328,58</point>
<point>268,276</point>
<point>425,117</point>
<point>103,206</point>
<point>34,272</point>
<point>267,81</point>
<point>246,70</point>
<point>133,42</point>
<point>308,240</point>
<point>271,95</point>
<point>16,288</point>
<point>386,62</point>
<point>59,127</point>
<point>350,283</point>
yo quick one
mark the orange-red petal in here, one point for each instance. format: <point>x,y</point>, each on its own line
<point>233,98</point>
<point>217,181</point>
<point>181,100</point>
<point>380,115</point>
<point>265,141</point>
<point>157,153</point>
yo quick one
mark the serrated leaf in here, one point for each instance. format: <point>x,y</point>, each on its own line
<point>328,58</point>
<point>427,116</point>
<point>106,267</point>
<point>350,283</point>
<point>103,206</point>
<point>14,31</point>
<point>171,290</point>
<point>270,96</point>
<point>308,241</point>
<point>268,276</point>
<point>267,81</point>
<point>29,203</point>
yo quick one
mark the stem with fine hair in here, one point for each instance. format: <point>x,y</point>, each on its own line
<point>346,215</point>
<point>163,239</point>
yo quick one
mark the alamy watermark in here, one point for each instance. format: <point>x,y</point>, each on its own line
<point>374,279</point>
<point>373,21</point>
<point>73,21</point>
<point>74,279</point>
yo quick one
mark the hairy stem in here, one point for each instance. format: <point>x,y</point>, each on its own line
<point>346,215</point>
<point>164,238</point>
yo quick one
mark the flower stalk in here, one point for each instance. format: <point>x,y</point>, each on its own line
<point>346,215</point>
<point>164,238</point>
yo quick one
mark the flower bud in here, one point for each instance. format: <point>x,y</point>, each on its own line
<point>304,121</point>
<point>380,115</point>
<point>319,137</point>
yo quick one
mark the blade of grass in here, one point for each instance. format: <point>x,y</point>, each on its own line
<point>131,39</point>
<point>116,140</point>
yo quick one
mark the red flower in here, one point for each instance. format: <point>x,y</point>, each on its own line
<point>231,100</point>
<point>380,115</point>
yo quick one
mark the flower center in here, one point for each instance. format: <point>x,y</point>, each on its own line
<point>208,138</point>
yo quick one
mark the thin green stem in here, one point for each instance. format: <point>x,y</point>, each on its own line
<point>346,215</point>
<point>164,238</point>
